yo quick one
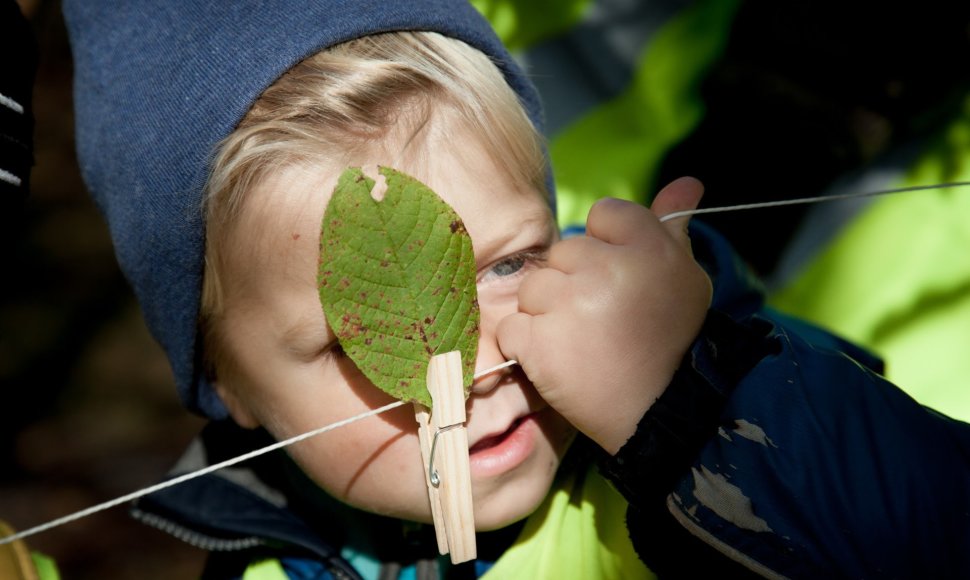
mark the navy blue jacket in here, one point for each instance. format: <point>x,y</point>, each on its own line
<point>781,448</point>
<point>778,450</point>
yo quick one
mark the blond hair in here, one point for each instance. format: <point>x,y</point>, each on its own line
<point>347,99</point>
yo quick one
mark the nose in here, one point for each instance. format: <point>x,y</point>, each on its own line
<point>486,379</point>
<point>489,355</point>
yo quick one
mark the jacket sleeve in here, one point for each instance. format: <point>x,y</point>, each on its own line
<point>778,450</point>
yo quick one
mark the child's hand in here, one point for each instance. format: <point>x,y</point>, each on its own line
<point>601,330</point>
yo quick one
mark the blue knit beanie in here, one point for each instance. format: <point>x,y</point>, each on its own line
<point>158,83</point>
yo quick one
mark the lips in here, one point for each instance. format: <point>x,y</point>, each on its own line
<point>503,452</point>
<point>494,440</point>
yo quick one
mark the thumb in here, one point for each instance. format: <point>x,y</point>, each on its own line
<point>682,194</point>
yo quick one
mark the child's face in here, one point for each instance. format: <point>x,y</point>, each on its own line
<point>285,377</point>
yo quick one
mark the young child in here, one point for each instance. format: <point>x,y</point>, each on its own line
<point>212,138</point>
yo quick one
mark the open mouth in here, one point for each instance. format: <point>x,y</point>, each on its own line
<point>495,440</point>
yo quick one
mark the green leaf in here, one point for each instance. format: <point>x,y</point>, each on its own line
<point>397,281</point>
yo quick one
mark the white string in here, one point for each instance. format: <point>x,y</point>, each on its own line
<point>246,456</point>
<point>11,104</point>
<point>801,200</point>
<point>9,178</point>
<point>209,469</point>
<point>498,367</point>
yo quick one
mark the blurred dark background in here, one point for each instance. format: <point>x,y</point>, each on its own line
<point>89,410</point>
<point>806,92</point>
<point>810,91</point>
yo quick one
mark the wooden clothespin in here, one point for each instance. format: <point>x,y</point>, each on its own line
<point>444,454</point>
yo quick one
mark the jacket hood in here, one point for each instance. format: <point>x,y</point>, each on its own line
<point>158,84</point>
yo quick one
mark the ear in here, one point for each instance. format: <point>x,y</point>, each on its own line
<point>238,410</point>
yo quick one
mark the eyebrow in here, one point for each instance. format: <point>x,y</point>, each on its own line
<point>532,222</point>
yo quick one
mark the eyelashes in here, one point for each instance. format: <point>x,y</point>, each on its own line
<point>331,351</point>
<point>509,267</point>
<point>337,351</point>
<point>514,266</point>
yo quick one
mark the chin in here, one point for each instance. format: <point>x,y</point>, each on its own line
<point>512,503</point>
<point>412,507</point>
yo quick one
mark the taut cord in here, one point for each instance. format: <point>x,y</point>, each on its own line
<point>209,469</point>
<point>296,439</point>
<point>804,200</point>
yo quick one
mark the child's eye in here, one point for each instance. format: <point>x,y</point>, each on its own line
<point>332,350</point>
<point>508,267</point>
<point>513,265</point>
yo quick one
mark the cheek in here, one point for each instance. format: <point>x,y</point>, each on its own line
<point>373,465</point>
<point>496,304</point>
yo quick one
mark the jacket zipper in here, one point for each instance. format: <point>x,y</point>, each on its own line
<point>194,538</point>
<point>213,544</point>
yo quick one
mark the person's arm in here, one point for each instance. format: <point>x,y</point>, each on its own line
<point>758,439</point>
<point>774,450</point>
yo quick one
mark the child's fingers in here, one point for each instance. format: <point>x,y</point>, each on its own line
<point>540,289</point>
<point>514,334</point>
<point>617,221</point>
<point>573,254</point>
<point>620,222</point>
<point>679,195</point>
